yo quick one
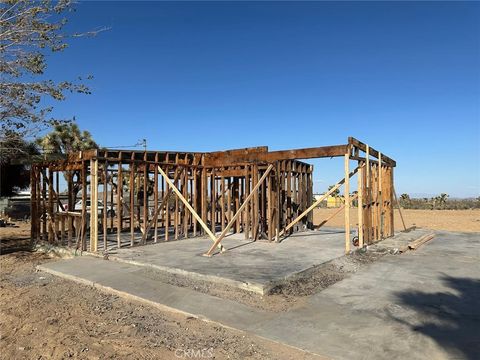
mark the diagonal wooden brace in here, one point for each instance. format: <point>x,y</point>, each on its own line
<point>335,213</point>
<point>399,209</point>
<point>163,202</point>
<point>189,207</point>
<point>54,192</point>
<point>239,211</point>
<point>317,202</point>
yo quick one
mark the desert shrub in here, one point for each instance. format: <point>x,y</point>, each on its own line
<point>441,202</point>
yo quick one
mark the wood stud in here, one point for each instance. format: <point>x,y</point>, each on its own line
<point>223,189</point>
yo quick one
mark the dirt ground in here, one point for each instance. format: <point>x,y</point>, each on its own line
<point>450,220</point>
<point>15,237</point>
<point>44,317</point>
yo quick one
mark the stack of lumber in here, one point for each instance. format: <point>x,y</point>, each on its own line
<point>415,244</point>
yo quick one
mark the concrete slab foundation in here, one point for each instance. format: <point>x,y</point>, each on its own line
<point>419,305</point>
<point>253,266</point>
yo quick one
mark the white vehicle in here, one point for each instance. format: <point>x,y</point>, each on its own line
<point>110,209</point>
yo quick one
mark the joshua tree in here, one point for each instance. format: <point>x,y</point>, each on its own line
<point>405,199</point>
<point>64,139</point>
<point>336,193</point>
<point>442,200</point>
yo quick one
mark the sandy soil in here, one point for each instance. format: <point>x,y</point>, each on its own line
<point>451,220</point>
<point>15,237</point>
<point>44,317</point>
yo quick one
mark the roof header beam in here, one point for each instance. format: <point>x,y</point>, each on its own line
<point>269,157</point>
<point>362,146</point>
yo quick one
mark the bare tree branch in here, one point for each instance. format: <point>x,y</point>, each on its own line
<point>28,29</point>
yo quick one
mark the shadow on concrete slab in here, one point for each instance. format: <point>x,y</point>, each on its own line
<point>451,318</point>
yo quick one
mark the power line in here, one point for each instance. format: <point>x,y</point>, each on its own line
<point>142,142</point>
<point>120,147</point>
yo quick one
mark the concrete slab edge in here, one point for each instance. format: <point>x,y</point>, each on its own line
<point>113,291</point>
<point>301,274</point>
<point>252,287</point>
<point>261,289</point>
<point>162,307</point>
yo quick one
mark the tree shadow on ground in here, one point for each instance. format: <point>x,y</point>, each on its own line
<point>451,318</point>
<point>10,245</point>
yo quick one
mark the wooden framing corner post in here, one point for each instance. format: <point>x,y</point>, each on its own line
<point>347,202</point>
<point>93,205</point>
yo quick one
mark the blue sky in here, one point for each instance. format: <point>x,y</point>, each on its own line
<point>403,77</point>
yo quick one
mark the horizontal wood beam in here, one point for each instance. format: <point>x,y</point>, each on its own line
<point>238,152</point>
<point>308,153</point>
<point>362,146</point>
<point>70,213</point>
<point>232,157</point>
<point>230,173</point>
<point>64,166</point>
<point>272,156</point>
<point>364,159</point>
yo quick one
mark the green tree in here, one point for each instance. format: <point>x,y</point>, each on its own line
<point>64,139</point>
<point>29,30</point>
<point>405,200</point>
<point>14,168</point>
<point>442,200</point>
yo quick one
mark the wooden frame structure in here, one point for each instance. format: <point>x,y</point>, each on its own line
<point>133,197</point>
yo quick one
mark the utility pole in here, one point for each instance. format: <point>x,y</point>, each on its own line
<point>142,142</point>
